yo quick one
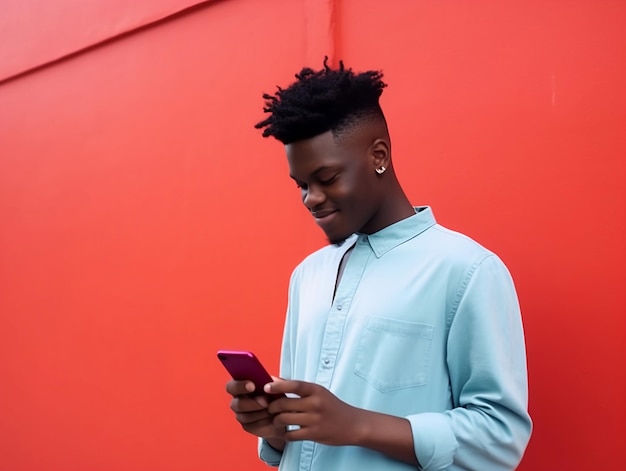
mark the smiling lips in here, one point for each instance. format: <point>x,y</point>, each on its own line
<point>323,216</point>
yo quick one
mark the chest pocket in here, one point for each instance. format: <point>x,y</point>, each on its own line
<point>394,354</point>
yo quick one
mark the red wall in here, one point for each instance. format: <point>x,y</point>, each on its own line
<point>146,224</point>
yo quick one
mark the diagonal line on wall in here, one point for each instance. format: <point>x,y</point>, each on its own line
<point>96,42</point>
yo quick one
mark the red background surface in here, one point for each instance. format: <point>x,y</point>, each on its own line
<point>144,223</point>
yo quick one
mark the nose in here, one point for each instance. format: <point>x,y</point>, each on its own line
<point>312,197</point>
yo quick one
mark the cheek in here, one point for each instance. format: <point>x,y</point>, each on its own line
<point>354,199</point>
<point>354,190</point>
<point>342,192</point>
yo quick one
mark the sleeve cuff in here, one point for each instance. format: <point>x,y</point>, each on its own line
<point>433,440</point>
<point>269,455</point>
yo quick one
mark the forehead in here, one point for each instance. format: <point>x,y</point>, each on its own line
<point>324,150</point>
<point>320,144</point>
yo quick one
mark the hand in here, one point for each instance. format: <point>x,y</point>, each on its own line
<point>322,417</point>
<point>252,412</point>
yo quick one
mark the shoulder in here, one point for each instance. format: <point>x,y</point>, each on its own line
<point>469,259</point>
<point>453,246</point>
<point>454,255</point>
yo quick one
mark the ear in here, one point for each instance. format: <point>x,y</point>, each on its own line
<point>380,151</point>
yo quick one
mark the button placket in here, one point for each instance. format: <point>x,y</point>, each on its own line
<point>338,314</point>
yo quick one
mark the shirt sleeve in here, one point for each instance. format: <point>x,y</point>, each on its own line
<point>269,455</point>
<point>489,427</point>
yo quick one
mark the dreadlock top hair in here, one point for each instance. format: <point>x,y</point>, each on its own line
<point>320,101</point>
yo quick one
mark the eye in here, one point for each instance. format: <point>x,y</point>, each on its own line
<point>301,186</point>
<point>328,181</point>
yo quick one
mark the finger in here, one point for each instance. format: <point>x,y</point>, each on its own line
<point>264,428</point>
<point>262,401</point>
<point>245,404</point>
<point>282,386</point>
<point>288,404</point>
<point>252,417</point>
<point>239,388</point>
<point>293,418</point>
<point>297,434</point>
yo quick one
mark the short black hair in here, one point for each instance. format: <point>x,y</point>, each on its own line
<point>320,101</point>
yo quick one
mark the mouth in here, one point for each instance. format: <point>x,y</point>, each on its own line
<point>324,216</point>
<point>322,213</point>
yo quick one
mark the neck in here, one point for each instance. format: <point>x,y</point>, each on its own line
<point>395,207</point>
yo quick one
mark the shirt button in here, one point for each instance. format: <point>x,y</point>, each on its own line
<point>339,307</point>
<point>326,361</point>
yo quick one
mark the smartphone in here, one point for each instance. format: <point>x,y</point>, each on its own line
<point>243,365</point>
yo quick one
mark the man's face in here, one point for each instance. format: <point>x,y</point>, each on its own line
<point>338,182</point>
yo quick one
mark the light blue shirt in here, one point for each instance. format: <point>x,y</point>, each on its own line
<point>425,324</point>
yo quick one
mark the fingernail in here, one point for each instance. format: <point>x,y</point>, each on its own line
<point>267,388</point>
<point>250,387</point>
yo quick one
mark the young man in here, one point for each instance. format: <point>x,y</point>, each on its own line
<point>403,345</point>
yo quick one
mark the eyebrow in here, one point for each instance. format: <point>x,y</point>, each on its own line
<point>319,170</point>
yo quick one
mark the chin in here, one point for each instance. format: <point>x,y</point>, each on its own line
<point>336,239</point>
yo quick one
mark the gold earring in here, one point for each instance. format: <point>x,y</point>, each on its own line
<point>381,170</point>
